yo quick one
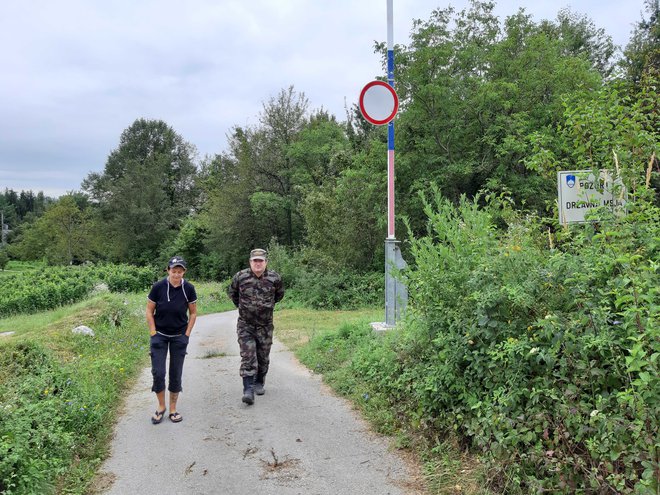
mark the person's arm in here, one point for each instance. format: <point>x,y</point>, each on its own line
<point>279,290</point>
<point>233,292</point>
<point>151,322</point>
<point>192,316</point>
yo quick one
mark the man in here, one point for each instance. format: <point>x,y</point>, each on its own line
<point>255,291</point>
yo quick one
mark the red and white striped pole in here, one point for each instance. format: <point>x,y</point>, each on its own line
<point>390,125</point>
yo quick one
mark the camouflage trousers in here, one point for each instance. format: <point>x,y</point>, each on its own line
<point>255,342</point>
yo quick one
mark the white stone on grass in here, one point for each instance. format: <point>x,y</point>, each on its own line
<point>82,329</point>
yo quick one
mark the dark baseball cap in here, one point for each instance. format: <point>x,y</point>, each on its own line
<point>177,261</point>
<point>258,254</point>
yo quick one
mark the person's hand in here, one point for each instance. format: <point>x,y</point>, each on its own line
<point>152,333</point>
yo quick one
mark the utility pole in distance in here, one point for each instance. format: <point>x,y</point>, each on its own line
<point>3,229</point>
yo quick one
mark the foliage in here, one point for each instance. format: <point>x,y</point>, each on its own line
<point>484,103</point>
<point>338,290</point>
<point>58,390</point>
<point>602,129</point>
<point>256,190</point>
<point>226,216</point>
<point>318,282</point>
<point>64,234</point>
<point>358,363</point>
<point>260,170</point>
<point>472,92</point>
<point>39,290</point>
<point>4,258</point>
<point>345,218</point>
<point>189,243</point>
<point>145,191</point>
<point>53,409</point>
<point>545,361</point>
<point>21,207</point>
<point>642,54</point>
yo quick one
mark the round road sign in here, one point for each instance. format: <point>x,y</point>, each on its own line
<point>378,102</point>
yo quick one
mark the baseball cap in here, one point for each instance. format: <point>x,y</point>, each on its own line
<point>258,254</point>
<point>177,261</point>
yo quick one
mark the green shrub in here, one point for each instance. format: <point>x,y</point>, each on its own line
<point>338,290</point>
<point>35,443</point>
<point>315,281</point>
<point>56,408</point>
<point>543,360</point>
<point>50,287</point>
<point>128,278</point>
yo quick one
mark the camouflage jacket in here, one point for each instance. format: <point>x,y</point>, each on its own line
<point>255,297</point>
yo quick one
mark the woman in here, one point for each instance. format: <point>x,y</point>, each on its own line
<point>171,315</point>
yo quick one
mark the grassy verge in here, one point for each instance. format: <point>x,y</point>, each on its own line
<point>296,327</point>
<point>341,346</point>
<point>59,390</point>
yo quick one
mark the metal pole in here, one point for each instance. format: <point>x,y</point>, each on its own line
<point>390,125</point>
<point>396,294</point>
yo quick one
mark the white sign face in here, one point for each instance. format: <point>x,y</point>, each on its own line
<point>378,102</point>
<point>581,191</point>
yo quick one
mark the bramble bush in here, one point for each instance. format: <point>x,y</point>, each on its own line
<point>546,360</point>
<point>542,358</point>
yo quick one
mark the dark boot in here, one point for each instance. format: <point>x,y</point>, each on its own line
<point>248,390</point>
<point>259,383</point>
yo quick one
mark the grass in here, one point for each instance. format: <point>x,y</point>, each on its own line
<point>51,395</point>
<point>212,297</point>
<point>296,327</point>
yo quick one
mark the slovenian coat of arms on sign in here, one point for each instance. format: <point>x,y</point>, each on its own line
<point>570,180</point>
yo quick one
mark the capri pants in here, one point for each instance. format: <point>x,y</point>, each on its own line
<point>159,346</point>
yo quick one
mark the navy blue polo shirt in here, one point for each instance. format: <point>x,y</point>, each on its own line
<point>171,315</point>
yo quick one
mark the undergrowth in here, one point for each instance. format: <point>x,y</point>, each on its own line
<point>540,359</point>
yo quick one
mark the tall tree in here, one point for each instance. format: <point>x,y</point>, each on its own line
<point>282,119</point>
<point>64,234</point>
<point>602,129</point>
<point>227,215</point>
<point>642,54</point>
<point>579,36</point>
<point>18,207</point>
<point>346,218</point>
<point>255,184</point>
<point>473,91</point>
<point>145,191</point>
<point>256,191</point>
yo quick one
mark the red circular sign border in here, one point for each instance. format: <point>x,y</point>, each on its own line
<point>361,102</point>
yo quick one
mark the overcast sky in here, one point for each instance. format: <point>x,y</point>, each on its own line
<point>76,73</point>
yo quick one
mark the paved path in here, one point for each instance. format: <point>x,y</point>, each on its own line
<point>298,438</point>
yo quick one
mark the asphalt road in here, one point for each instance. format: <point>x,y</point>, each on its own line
<point>298,438</point>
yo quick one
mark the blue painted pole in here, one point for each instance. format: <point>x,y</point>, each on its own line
<point>390,125</point>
